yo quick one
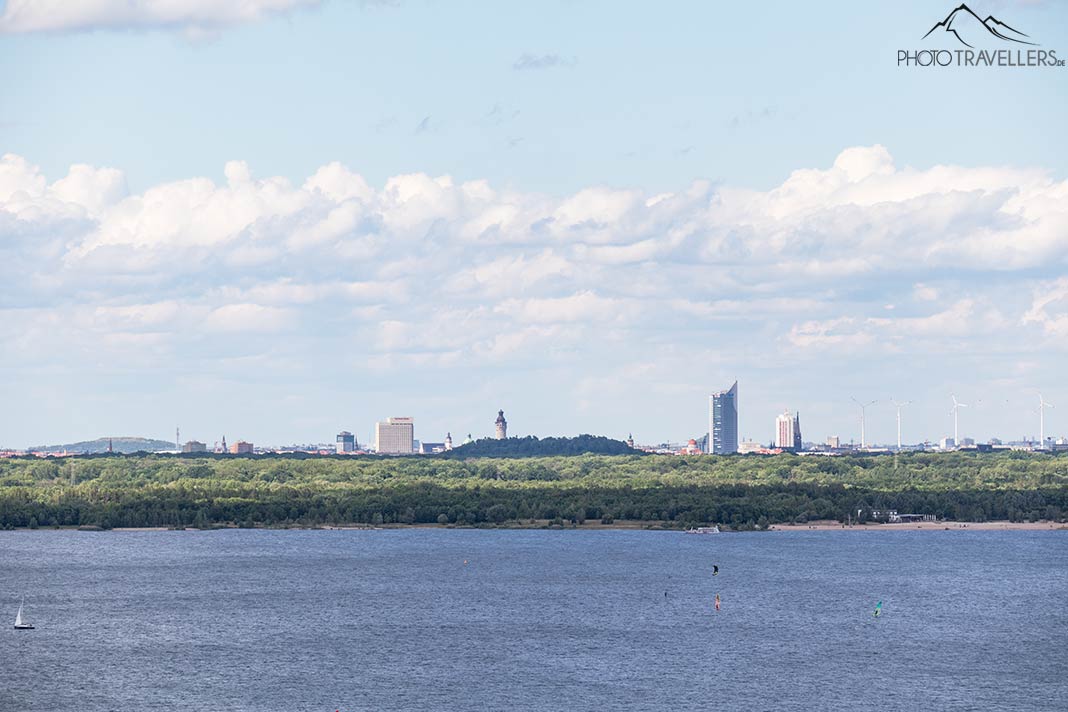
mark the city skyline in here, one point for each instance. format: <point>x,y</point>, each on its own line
<point>723,416</point>
<point>507,228</point>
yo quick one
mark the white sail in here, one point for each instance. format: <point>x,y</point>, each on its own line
<point>18,616</point>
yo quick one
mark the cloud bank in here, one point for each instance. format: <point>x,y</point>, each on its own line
<point>859,261</point>
<point>193,17</point>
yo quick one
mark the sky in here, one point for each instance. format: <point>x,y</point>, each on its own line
<point>277,219</point>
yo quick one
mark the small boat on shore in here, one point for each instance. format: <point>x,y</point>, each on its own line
<point>703,530</point>
<point>19,623</point>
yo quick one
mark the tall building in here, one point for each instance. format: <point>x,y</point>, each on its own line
<point>241,448</point>
<point>194,446</point>
<point>346,442</point>
<point>788,431</point>
<point>723,422</point>
<point>396,436</point>
<point>502,426</point>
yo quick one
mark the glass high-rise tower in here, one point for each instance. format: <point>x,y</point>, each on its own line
<point>723,421</point>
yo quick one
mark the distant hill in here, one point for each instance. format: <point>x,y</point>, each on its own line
<point>124,445</point>
<point>531,446</point>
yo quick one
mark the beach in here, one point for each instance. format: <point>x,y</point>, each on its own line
<point>903,526</point>
<point>638,525</point>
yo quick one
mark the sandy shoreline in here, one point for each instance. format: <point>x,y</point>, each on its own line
<point>641,526</point>
<point>907,526</point>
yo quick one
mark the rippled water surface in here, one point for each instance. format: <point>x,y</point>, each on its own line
<point>535,620</point>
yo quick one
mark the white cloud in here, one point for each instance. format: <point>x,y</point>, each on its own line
<point>950,329</point>
<point>93,189</point>
<point>19,179</point>
<point>339,184</point>
<point>136,317</point>
<point>1049,309</point>
<point>513,273</point>
<point>924,292</point>
<point>249,317</point>
<point>428,277</point>
<point>194,17</point>
<point>584,307</point>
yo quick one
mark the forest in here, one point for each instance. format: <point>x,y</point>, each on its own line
<point>739,492</point>
<point>531,446</point>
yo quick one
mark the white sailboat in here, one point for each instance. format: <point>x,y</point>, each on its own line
<point>19,624</point>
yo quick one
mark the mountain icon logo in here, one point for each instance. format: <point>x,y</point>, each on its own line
<point>967,27</point>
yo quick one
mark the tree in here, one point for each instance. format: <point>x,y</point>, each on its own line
<point>497,514</point>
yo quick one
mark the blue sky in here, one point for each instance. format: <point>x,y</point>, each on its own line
<point>280,224</point>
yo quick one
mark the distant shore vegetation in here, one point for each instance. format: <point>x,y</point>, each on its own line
<point>531,446</point>
<point>750,492</point>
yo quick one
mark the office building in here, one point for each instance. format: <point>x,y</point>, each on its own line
<point>723,422</point>
<point>788,431</point>
<point>346,442</point>
<point>191,446</point>
<point>396,436</point>
<point>833,441</point>
<point>502,425</point>
<point>241,448</point>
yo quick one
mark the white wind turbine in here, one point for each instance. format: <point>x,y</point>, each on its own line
<point>1042,405</point>
<point>956,407</point>
<point>863,442</point>
<point>899,406</point>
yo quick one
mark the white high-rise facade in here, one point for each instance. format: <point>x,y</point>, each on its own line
<point>786,431</point>
<point>396,436</point>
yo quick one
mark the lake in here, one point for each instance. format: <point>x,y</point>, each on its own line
<point>244,620</point>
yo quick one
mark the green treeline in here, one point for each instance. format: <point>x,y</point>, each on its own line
<point>740,492</point>
<point>531,446</point>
